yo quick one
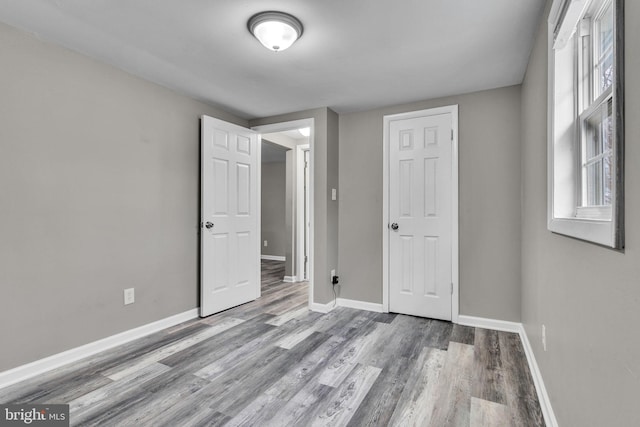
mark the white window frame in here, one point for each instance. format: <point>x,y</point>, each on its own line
<point>567,212</point>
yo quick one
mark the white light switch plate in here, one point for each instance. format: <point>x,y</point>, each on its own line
<point>334,194</point>
<point>129,296</point>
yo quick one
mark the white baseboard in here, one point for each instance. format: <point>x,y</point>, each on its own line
<point>543,397</point>
<point>273,257</point>
<point>497,325</point>
<point>38,367</point>
<point>290,279</point>
<point>322,308</point>
<point>360,305</point>
<point>518,328</point>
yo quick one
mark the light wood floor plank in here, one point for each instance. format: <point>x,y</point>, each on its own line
<point>340,405</point>
<point>453,393</point>
<point>489,414</point>
<point>418,399</point>
<point>488,382</point>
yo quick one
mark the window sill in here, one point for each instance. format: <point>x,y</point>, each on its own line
<point>591,230</point>
<point>594,213</point>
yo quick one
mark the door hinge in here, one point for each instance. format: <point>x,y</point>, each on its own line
<point>451,288</point>
<point>452,134</point>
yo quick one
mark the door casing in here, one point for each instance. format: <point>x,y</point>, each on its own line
<point>453,110</point>
<point>285,126</point>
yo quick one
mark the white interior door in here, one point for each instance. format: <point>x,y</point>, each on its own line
<point>420,215</point>
<point>230,238</point>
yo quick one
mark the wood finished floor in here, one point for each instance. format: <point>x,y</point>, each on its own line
<point>274,363</point>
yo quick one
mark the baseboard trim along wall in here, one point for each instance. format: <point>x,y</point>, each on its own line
<point>343,302</point>
<point>496,325</point>
<point>543,397</point>
<point>273,257</point>
<point>360,305</point>
<point>290,279</point>
<point>38,367</point>
<point>322,308</point>
<point>501,325</point>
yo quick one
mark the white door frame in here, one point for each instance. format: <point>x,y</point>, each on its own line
<point>285,126</point>
<point>453,110</point>
<point>300,205</point>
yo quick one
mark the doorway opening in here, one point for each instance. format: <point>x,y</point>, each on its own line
<point>287,203</point>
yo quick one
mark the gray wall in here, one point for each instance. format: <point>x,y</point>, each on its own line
<point>489,163</point>
<point>325,174</point>
<point>99,190</point>
<point>588,297</point>
<point>273,227</point>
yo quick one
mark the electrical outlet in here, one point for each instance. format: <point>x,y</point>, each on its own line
<point>544,338</point>
<point>334,194</point>
<point>129,296</point>
<point>265,243</point>
<point>333,273</point>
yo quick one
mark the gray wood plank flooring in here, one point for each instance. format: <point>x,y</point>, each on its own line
<point>272,362</point>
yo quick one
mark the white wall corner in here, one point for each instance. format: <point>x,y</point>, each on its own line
<point>360,305</point>
<point>41,366</point>
<point>322,308</point>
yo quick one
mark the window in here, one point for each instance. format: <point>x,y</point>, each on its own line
<point>586,120</point>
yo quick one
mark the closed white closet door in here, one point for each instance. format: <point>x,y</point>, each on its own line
<point>420,216</point>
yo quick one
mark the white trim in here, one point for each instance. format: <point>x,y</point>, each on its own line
<point>273,257</point>
<point>545,403</point>
<point>322,308</point>
<point>297,124</point>
<point>300,206</point>
<point>496,325</point>
<point>290,279</point>
<point>360,305</point>
<point>41,366</point>
<point>515,327</point>
<point>455,276</point>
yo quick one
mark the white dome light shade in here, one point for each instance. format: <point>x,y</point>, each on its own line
<point>275,30</point>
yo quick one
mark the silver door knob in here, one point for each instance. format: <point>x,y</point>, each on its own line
<point>208,224</point>
<point>394,226</point>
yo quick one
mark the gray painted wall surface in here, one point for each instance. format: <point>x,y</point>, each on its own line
<point>325,148</point>
<point>99,183</point>
<point>273,227</point>
<point>588,297</point>
<point>489,163</point>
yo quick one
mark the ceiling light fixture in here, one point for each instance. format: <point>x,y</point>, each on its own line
<point>275,30</point>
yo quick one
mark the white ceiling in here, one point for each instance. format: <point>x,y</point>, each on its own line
<point>354,54</point>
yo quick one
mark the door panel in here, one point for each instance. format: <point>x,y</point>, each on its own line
<point>420,203</point>
<point>230,260</point>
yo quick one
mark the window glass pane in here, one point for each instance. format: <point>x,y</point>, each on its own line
<point>594,184</point>
<point>599,131</point>
<point>608,180</point>
<point>605,49</point>
<point>598,147</point>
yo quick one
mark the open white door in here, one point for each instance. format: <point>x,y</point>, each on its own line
<point>230,238</point>
<point>421,213</point>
